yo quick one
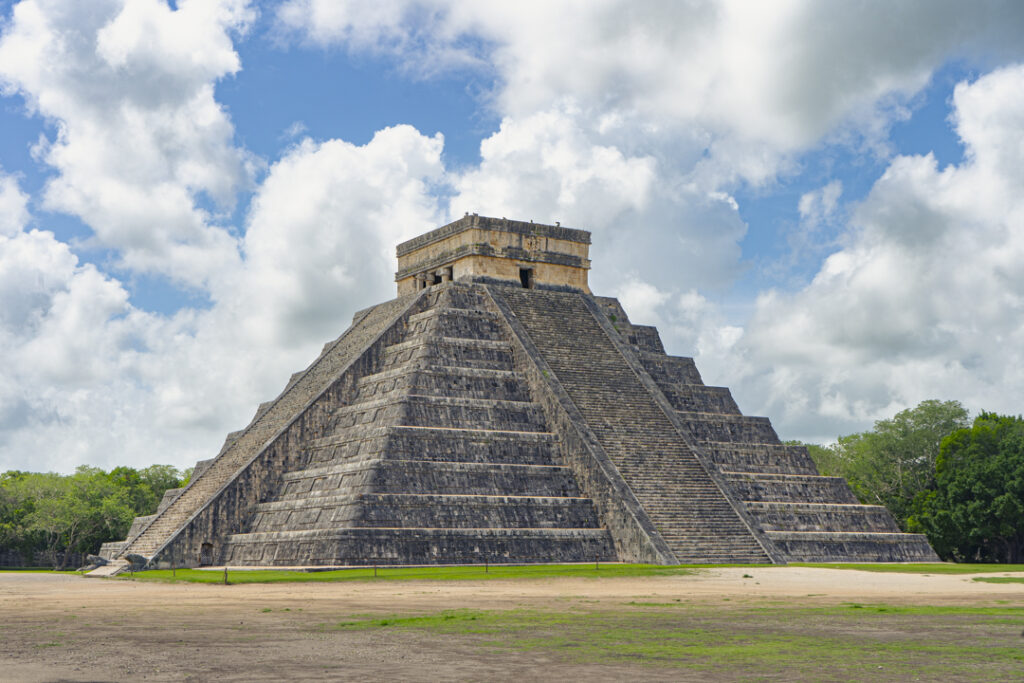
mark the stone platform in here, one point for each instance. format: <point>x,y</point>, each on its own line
<point>478,421</point>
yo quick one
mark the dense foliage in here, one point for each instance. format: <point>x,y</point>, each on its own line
<point>894,464</point>
<point>976,510</point>
<point>961,484</point>
<point>64,514</point>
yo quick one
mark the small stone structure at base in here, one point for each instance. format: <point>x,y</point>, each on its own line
<point>497,411</point>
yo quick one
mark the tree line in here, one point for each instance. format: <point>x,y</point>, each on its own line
<point>957,480</point>
<point>63,515</point>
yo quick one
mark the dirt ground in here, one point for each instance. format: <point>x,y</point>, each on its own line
<point>68,628</point>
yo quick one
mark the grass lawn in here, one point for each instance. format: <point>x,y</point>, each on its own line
<point>466,573</point>
<point>847,642</point>
<point>479,572</point>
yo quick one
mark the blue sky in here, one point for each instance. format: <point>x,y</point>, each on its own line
<point>819,202</point>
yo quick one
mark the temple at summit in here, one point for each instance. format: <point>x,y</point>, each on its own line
<point>498,411</point>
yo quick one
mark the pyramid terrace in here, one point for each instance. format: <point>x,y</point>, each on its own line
<point>498,411</point>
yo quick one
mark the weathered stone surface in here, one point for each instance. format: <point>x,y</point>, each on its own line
<point>477,422</point>
<point>692,514</point>
<point>805,517</point>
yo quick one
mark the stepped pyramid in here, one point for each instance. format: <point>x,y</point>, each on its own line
<point>497,411</point>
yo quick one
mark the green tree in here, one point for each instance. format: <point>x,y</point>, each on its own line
<point>976,512</point>
<point>146,487</point>
<point>77,513</point>
<point>17,502</point>
<point>895,462</point>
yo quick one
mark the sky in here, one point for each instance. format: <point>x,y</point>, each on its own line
<point>823,203</point>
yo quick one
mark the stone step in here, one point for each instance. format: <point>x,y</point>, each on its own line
<point>451,351</point>
<point>699,398</point>
<point>857,546</point>
<point>438,443</point>
<point>425,510</point>
<point>352,476</point>
<point>457,322</point>
<point>459,295</point>
<point>831,517</point>
<point>433,380</point>
<point>441,411</point>
<point>790,488</point>
<point>450,311</point>
<point>670,369</point>
<point>383,546</point>
<point>760,458</point>
<point>732,428</point>
<point>112,568</point>
<point>645,338</point>
<point>430,477</point>
<point>111,549</point>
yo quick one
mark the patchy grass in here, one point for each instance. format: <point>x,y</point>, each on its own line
<point>836,643</point>
<point>492,572</point>
<point>919,567</point>
<point>999,579</point>
<point>466,573</point>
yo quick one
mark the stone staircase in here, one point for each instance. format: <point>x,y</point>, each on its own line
<point>442,457</point>
<point>689,509</point>
<point>806,516</point>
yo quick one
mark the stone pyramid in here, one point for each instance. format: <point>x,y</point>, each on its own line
<point>497,411</point>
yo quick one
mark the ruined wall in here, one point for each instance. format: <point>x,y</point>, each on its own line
<point>485,249</point>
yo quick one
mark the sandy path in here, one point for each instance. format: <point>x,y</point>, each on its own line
<point>58,627</point>
<point>810,585</point>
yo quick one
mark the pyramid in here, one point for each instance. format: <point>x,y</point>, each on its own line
<point>497,411</point>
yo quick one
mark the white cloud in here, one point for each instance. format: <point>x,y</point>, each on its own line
<point>322,231</point>
<point>925,300</point>
<point>758,79</point>
<point>641,301</point>
<point>64,331</point>
<point>139,135</point>
<point>91,379</point>
<point>647,217</point>
<point>13,206</point>
<point>817,205</point>
<point>549,166</point>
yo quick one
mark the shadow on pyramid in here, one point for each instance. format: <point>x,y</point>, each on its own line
<point>498,412</point>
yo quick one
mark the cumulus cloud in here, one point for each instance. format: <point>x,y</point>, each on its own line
<point>820,204</point>
<point>926,299</point>
<point>63,326</point>
<point>761,79</point>
<point>13,206</point>
<point>128,87</point>
<point>93,379</point>
<point>322,229</point>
